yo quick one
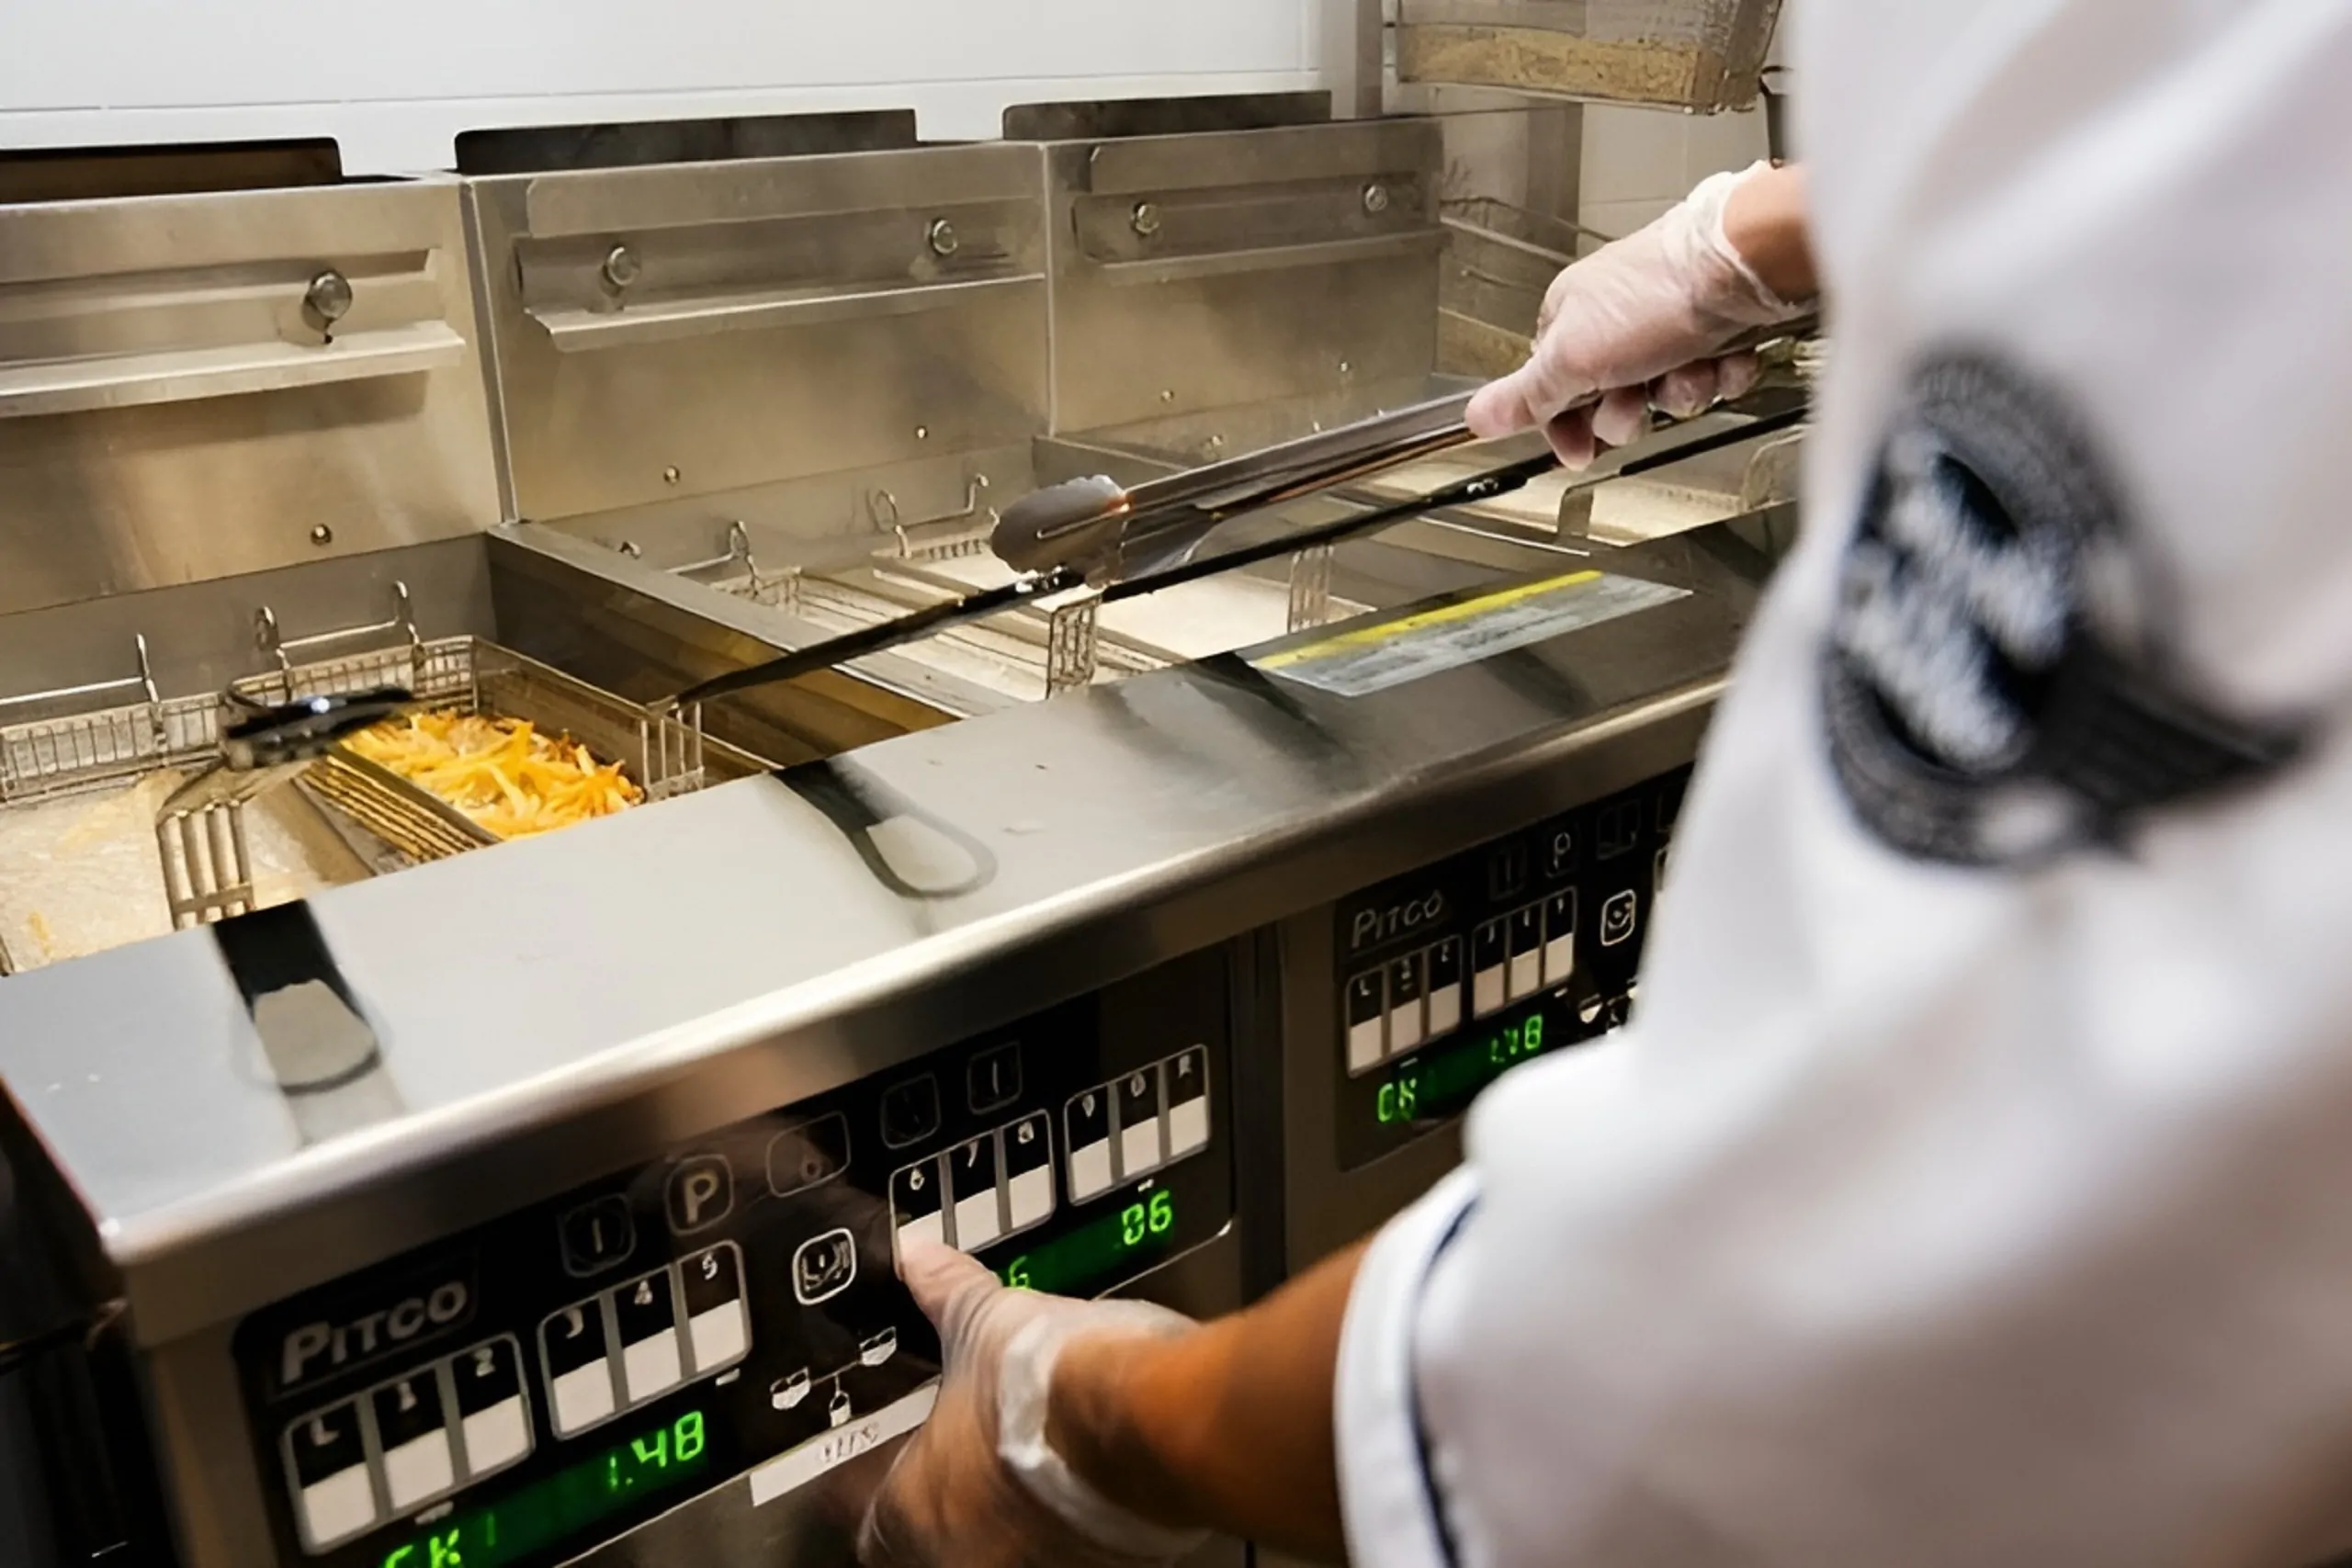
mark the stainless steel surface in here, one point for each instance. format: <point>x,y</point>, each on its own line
<point>176,405</point>
<point>1265,269</point>
<point>782,317</point>
<point>1699,55</point>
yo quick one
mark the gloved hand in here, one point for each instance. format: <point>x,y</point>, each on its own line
<point>977,1486</point>
<point>1641,319</point>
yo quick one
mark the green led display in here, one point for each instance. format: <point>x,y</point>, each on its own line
<point>1442,1083</point>
<point>551,1510</point>
<point>1085,1256</point>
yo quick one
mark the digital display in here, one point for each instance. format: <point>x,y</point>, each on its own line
<point>549,1510</point>
<point>1113,1242</point>
<point>1442,1083</point>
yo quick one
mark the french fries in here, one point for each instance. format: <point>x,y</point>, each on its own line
<point>510,779</point>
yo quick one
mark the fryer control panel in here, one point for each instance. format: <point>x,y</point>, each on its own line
<point>531,1388</point>
<point>1450,976</point>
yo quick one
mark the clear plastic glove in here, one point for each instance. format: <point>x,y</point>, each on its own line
<point>977,1486</point>
<point>1641,319</point>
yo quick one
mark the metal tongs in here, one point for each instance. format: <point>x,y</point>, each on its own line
<point>270,744</point>
<point>1127,541</point>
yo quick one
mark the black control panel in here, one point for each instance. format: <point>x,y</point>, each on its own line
<point>526,1390</point>
<point>1451,975</point>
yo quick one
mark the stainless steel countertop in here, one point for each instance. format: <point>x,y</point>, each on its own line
<point>563,1006</point>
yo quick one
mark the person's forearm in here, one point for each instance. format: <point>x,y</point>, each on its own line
<point>1228,1425</point>
<point>1767,222</point>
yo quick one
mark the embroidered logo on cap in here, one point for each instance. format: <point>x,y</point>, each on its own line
<point>1994,688</point>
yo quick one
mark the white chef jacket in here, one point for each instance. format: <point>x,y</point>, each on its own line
<point>1931,1212</point>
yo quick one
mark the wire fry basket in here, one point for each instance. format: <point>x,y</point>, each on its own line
<point>1700,56</point>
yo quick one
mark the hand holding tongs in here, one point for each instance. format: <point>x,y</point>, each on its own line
<point>1130,541</point>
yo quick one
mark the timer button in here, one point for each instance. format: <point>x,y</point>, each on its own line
<point>717,1325</point>
<point>971,1168</point>
<point>993,1080</point>
<point>1559,937</point>
<point>597,1236</point>
<point>1028,1156</point>
<point>1086,1132</point>
<point>809,1153</point>
<point>492,1419</point>
<point>1526,951</point>
<point>1445,987</point>
<point>1367,1012</point>
<point>916,1211</point>
<point>1188,1102</point>
<point>647,1316</point>
<point>1489,953</point>
<point>1404,1020</point>
<point>579,1375</point>
<point>334,1496</point>
<point>1141,1148</point>
<point>414,1436</point>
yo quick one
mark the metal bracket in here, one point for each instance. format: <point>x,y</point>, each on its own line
<point>1310,588</point>
<point>739,551</point>
<point>882,510</point>
<point>281,649</point>
<point>1071,646</point>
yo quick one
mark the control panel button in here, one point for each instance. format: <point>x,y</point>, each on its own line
<point>494,1417</point>
<point>1140,1147</point>
<point>1028,1156</point>
<point>1559,937</point>
<point>333,1492</point>
<point>1445,987</point>
<point>1188,1102</point>
<point>971,1175</point>
<point>1563,849</point>
<point>413,1434</point>
<point>910,1112</point>
<point>993,1080</point>
<point>1620,918</point>
<point>647,1315</point>
<point>1489,954</point>
<point>916,1204</point>
<point>810,1152</point>
<point>700,1191</point>
<point>1617,830</point>
<point>598,1235</point>
<point>824,1266</point>
<point>1086,1133</point>
<point>1506,870</point>
<point>1526,951</point>
<point>1405,1018</point>
<point>579,1373</point>
<point>718,1326</point>
<point>1367,1014</point>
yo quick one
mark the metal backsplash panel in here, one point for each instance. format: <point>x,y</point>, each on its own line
<point>193,387</point>
<point>1205,270</point>
<point>703,329</point>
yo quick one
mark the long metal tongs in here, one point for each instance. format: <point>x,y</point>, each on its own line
<point>1092,532</point>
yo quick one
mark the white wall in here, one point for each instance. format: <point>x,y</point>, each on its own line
<point>394,82</point>
<point>1638,163</point>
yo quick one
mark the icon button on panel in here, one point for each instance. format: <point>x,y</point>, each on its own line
<point>1489,956</point>
<point>597,1236</point>
<point>1563,849</point>
<point>718,1322</point>
<point>575,1347</point>
<point>1620,918</point>
<point>412,1433</point>
<point>326,1458</point>
<point>1367,1010</point>
<point>1445,987</point>
<point>1086,1133</point>
<point>910,1112</point>
<point>812,1152</point>
<point>699,1193</point>
<point>1560,937</point>
<point>824,1266</point>
<point>1406,1024</point>
<point>493,1413</point>
<point>918,1203</point>
<point>992,1081</point>
<point>1526,972</point>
